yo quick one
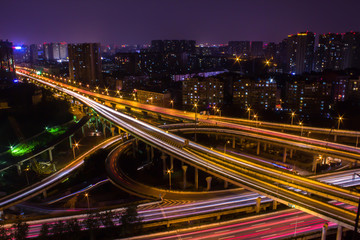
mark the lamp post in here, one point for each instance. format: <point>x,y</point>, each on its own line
<point>249,110</point>
<point>169,171</point>
<point>195,105</point>
<point>256,119</point>
<point>88,202</point>
<point>339,120</point>
<point>172,103</point>
<point>75,145</point>
<point>227,142</point>
<point>301,125</point>
<point>292,118</point>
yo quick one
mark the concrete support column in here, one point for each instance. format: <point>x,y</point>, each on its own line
<point>208,182</point>
<point>148,153</point>
<point>274,204</point>
<point>265,145</point>
<point>314,164</point>
<point>184,168</point>
<point>284,156</point>
<point>226,184</point>
<point>241,140</point>
<point>44,194</point>
<point>70,141</point>
<point>54,167</point>
<point>339,232</point>
<point>127,135</point>
<point>357,141</point>
<point>324,231</point>
<point>83,130</point>
<point>196,178</point>
<point>172,162</point>
<point>104,129</point>
<point>335,138</point>
<point>163,158</point>
<point>1,213</point>
<point>258,202</point>
<point>50,155</point>
<point>291,153</point>
<point>233,142</point>
<point>18,166</point>
<point>152,152</point>
<point>258,148</point>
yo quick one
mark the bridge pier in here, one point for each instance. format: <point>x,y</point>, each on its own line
<point>324,231</point>
<point>258,148</point>
<point>148,153</point>
<point>314,164</point>
<point>274,207</point>
<point>112,131</point>
<point>265,145</point>
<point>339,232</point>
<point>196,178</point>
<point>83,130</point>
<point>19,168</point>
<point>335,138</point>
<point>258,202</point>
<point>226,184</point>
<point>233,142</point>
<point>44,193</point>
<point>50,155</point>
<point>184,168</point>
<point>208,182</point>
<point>70,141</point>
<point>104,129</point>
<point>291,153</point>
<point>284,156</point>
<point>163,158</point>
<point>357,141</point>
<point>152,152</point>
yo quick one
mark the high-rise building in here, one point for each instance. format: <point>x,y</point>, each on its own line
<point>329,53</point>
<point>239,48</point>
<point>206,92</point>
<point>257,49</point>
<point>351,50</point>
<point>7,68</point>
<point>55,51</point>
<point>175,46</point>
<point>300,52</point>
<point>85,63</point>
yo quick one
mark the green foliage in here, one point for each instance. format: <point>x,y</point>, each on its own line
<point>58,229</point>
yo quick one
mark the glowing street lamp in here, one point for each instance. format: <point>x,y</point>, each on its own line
<point>75,145</point>
<point>249,110</point>
<point>339,121</point>
<point>88,202</point>
<point>292,118</point>
<point>301,125</point>
<point>227,142</point>
<point>169,171</point>
<point>172,103</point>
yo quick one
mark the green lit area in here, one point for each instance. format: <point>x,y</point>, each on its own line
<point>57,130</point>
<point>23,148</point>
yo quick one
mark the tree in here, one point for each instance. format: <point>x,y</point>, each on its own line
<point>106,220</point>
<point>44,232</point>
<point>58,230</point>
<point>4,233</point>
<point>21,230</point>
<point>92,224</point>
<point>73,229</point>
<point>130,221</point>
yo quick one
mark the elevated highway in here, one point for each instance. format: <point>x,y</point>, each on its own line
<point>235,170</point>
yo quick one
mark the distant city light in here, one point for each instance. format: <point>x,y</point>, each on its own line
<point>17,47</point>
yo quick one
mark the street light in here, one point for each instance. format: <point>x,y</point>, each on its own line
<point>292,118</point>
<point>172,103</point>
<point>301,125</point>
<point>256,119</point>
<point>195,105</point>
<point>75,145</point>
<point>169,171</point>
<point>249,110</point>
<point>227,142</point>
<point>339,120</point>
<point>88,202</point>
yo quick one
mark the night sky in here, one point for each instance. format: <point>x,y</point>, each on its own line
<point>140,21</point>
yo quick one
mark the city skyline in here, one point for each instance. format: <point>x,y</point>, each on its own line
<point>139,22</point>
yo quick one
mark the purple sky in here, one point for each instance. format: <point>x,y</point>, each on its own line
<point>140,21</point>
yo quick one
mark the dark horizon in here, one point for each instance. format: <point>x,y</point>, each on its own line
<point>139,21</point>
